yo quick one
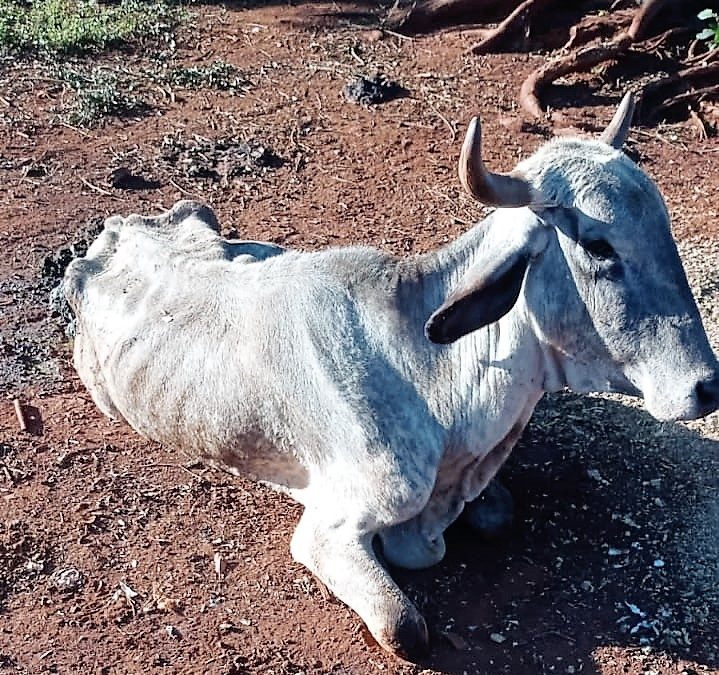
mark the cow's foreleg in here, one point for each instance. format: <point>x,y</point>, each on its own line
<point>343,559</point>
<point>406,545</point>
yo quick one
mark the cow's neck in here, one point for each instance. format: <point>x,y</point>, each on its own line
<point>496,372</point>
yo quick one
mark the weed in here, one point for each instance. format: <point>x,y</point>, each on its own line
<point>105,91</point>
<point>218,75</point>
<point>710,34</point>
<point>82,26</point>
<point>101,92</point>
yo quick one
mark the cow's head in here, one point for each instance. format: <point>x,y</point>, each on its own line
<point>592,263</point>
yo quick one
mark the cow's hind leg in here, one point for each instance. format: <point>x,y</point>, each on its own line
<point>344,560</point>
<point>490,515</point>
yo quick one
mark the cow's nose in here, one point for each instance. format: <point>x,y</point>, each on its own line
<point>707,392</point>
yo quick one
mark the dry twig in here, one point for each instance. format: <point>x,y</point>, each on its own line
<point>20,413</point>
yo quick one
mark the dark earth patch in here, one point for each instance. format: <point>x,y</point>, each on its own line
<point>221,159</point>
<point>373,90</point>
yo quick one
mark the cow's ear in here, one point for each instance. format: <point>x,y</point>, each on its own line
<point>488,290</point>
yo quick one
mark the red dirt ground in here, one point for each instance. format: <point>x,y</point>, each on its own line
<point>78,491</point>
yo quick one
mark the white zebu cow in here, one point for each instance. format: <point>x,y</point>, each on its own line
<point>312,371</point>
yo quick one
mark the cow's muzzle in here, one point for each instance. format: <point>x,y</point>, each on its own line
<point>671,400</point>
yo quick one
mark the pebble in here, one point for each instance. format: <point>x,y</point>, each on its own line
<point>68,580</point>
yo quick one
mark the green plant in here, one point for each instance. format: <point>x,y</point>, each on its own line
<point>83,26</point>
<point>99,93</point>
<point>218,75</point>
<point>710,34</point>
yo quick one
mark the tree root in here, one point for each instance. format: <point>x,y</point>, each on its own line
<point>646,12</point>
<point>611,36</point>
<point>421,15</point>
<point>594,27</point>
<point>688,99</point>
<point>585,58</point>
<point>705,57</point>
<point>580,60</point>
<point>519,17</point>
<point>683,89</point>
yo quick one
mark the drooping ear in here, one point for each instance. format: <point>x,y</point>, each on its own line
<point>491,286</point>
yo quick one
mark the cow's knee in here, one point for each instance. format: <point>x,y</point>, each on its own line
<point>491,515</point>
<point>347,565</point>
<point>405,546</point>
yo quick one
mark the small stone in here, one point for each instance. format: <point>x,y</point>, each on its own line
<point>595,475</point>
<point>34,566</point>
<point>173,632</point>
<point>457,641</point>
<point>68,580</point>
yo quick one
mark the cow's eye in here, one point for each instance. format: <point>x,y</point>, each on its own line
<point>599,248</point>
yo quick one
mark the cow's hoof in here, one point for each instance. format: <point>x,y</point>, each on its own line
<point>409,639</point>
<point>491,515</point>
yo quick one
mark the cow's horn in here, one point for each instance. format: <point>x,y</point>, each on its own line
<point>493,189</point>
<point>616,133</point>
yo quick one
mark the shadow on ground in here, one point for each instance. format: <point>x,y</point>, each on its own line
<point>615,545</point>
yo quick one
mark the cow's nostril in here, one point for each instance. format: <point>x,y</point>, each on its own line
<point>707,393</point>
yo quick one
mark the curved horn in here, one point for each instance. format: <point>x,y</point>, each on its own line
<point>618,129</point>
<point>493,189</point>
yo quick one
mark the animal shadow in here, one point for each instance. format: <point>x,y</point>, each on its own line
<point>615,545</point>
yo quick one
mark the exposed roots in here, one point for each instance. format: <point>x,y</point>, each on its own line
<point>643,16</point>
<point>686,88</point>
<point>424,15</point>
<point>683,90</point>
<point>518,18</point>
<point>597,27</point>
<point>580,60</point>
<point>660,31</point>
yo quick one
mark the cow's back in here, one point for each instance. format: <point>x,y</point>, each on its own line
<point>217,353</point>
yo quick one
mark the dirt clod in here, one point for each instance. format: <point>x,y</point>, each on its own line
<point>373,90</point>
<point>123,179</point>
<point>217,159</point>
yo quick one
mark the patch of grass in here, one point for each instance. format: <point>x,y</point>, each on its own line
<point>101,92</point>
<point>84,26</point>
<point>218,75</point>
<point>115,91</point>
